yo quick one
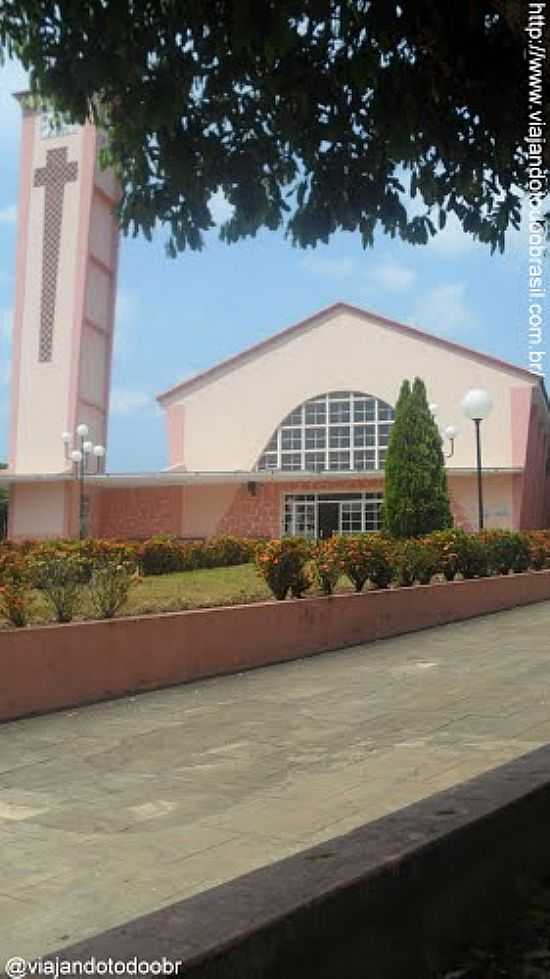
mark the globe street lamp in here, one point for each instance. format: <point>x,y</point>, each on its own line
<point>450,432</point>
<point>477,405</point>
<point>79,458</point>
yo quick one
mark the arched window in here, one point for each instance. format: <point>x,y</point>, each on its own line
<point>341,431</point>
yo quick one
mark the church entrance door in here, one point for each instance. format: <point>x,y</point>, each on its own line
<point>329,519</point>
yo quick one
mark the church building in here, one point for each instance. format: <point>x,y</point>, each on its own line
<point>288,437</point>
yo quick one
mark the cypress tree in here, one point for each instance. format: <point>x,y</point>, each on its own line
<point>416,499</point>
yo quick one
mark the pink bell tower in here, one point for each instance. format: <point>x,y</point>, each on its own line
<point>66,267</point>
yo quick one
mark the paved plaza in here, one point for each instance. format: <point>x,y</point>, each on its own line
<point>110,811</point>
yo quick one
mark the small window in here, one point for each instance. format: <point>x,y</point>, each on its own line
<point>291,438</point>
<point>338,461</point>
<point>316,438</point>
<point>339,437</point>
<point>315,461</point>
<point>316,413</point>
<point>364,460</point>
<point>339,411</point>
<point>291,460</point>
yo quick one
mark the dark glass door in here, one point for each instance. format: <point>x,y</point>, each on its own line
<point>328,519</point>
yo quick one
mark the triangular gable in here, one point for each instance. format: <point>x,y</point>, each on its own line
<point>317,319</point>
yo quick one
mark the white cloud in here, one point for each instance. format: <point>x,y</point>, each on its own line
<point>220,208</point>
<point>444,310</point>
<point>125,401</point>
<point>391,276</point>
<point>8,214</point>
<point>329,268</point>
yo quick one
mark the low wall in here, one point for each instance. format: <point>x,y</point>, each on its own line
<point>51,667</point>
<point>395,899</point>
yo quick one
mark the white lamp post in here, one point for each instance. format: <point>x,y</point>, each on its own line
<point>450,433</point>
<point>477,405</point>
<point>79,458</point>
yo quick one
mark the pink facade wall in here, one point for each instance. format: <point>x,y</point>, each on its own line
<point>206,511</point>
<point>529,449</point>
<point>137,513</point>
<point>51,667</point>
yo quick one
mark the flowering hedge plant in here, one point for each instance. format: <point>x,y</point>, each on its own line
<point>15,588</point>
<point>539,549</point>
<point>414,560</point>
<point>283,565</point>
<point>507,550</point>
<point>367,557</point>
<point>327,563</point>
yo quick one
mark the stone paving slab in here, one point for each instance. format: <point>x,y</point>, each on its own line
<point>111,811</point>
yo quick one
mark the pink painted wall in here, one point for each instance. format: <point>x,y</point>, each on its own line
<point>529,448</point>
<point>206,511</point>
<point>47,668</point>
<point>137,513</point>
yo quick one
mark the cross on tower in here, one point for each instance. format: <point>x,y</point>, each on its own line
<point>53,177</point>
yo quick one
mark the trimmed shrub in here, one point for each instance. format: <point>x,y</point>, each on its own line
<point>415,560</point>
<point>446,544</point>
<point>15,588</point>
<point>539,549</point>
<point>166,555</point>
<point>161,555</point>
<point>367,558</point>
<point>282,564</point>
<point>109,587</point>
<point>506,551</point>
<point>61,579</point>
<point>224,552</point>
<point>471,556</point>
<point>328,563</point>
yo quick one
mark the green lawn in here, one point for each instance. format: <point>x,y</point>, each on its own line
<point>208,588</point>
<point>197,589</point>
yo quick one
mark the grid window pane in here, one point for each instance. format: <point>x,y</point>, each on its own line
<point>291,438</point>
<point>339,437</point>
<point>364,436</point>
<point>338,461</point>
<point>315,461</point>
<point>339,411</point>
<point>365,410</point>
<point>295,417</point>
<point>291,460</point>
<point>384,434</point>
<point>372,514</point>
<point>358,512</point>
<point>316,413</point>
<point>338,421</point>
<point>268,461</point>
<point>316,438</point>
<point>352,517</point>
<point>364,459</point>
<point>304,520</point>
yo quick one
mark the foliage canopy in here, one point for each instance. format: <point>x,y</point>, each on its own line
<point>310,115</point>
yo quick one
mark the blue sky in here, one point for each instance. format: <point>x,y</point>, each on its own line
<point>177,317</point>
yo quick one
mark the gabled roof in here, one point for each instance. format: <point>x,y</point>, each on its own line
<point>186,386</point>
